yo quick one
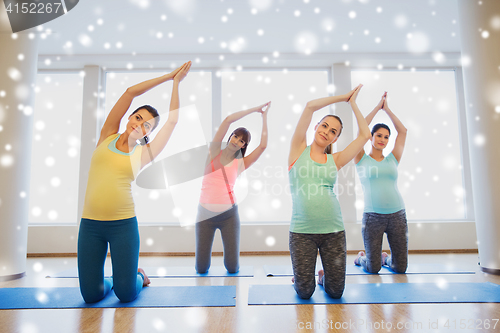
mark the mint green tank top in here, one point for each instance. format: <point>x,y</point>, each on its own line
<point>316,209</point>
<point>380,184</point>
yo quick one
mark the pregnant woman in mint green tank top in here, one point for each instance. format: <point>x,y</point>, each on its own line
<point>316,219</point>
<point>384,210</point>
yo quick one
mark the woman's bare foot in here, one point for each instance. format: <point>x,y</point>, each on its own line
<point>320,276</point>
<point>147,281</point>
<point>360,254</point>
<point>384,257</point>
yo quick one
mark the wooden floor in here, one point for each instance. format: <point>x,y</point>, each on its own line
<point>245,318</point>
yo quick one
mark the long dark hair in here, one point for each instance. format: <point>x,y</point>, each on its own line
<point>145,140</point>
<point>378,126</point>
<point>245,135</point>
<point>328,149</point>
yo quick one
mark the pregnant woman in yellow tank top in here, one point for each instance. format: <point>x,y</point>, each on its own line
<point>108,213</point>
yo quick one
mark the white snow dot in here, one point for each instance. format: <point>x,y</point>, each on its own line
<point>417,42</point>
<point>37,267</point>
<point>85,40</point>
<point>317,10</point>
<point>159,35</point>
<point>8,147</point>
<point>201,40</point>
<point>176,212</point>
<point>149,242</point>
<point>20,57</point>
<point>28,110</point>
<point>270,241</point>
<point>265,60</point>
<point>379,9</point>
<point>163,17</point>
<point>378,40</point>
<point>439,57</point>
<point>497,109</point>
<point>276,54</point>
<point>352,14</point>
<point>276,203</point>
<point>366,32</point>
<point>359,204</point>
<point>330,89</point>
<point>2,93</point>
<point>345,47</point>
<point>479,140</point>
<point>297,108</point>
<point>55,181</point>
<point>52,215</point>
<point>495,22</point>
<point>36,211</point>
<point>130,66</point>
<point>224,19</point>
<point>260,32</point>
<point>328,24</point>
<point>6,160</point>
<point>485,34</point>
<point>90,28</point>
<point>100,21</point>
<point>22,194</point>
<point>296,13</point>
<point>158,324</point>
<point>14,74</point>
<point>230,11</point>
<point>72,152</point>
<point>400,21</point>
<point>50,161</point>
<point>119,45</point>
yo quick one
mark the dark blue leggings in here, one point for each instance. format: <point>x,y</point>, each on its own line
<point>123,239</point>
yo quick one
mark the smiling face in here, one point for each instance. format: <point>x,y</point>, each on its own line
<point>327,131</point>
<point>140,124</point>
<point>380,139</point>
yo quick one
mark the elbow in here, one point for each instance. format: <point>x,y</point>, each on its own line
<point>404,130</point>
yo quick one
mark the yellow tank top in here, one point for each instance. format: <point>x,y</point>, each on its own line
<point>109,191</point>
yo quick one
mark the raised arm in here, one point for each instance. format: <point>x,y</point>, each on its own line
<point>154,148</point>
<point>298,142</point>
<point>369,119</point>
<point>112,123</point>
<point>399,145</point>
<point>215,145</point>
<point>343,157</point>
<point>254,156</point>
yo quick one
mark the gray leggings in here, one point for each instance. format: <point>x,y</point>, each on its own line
<point>304,252</point>
<point>229,224</point>
<point>396,228</point>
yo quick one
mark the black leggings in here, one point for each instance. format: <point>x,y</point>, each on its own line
<point>396,228</point>
<point>229,224</point>
<point>304,251</point>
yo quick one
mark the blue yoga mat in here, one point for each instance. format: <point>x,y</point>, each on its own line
<point>169,272</point>
<point>282,270</point>
<point>150,297</point>
<point>380,293</point>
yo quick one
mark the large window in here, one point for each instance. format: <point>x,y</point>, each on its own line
<point>430,172</point>
<point>263,190</point>
<point>167,204</point>
<point>55,154</point>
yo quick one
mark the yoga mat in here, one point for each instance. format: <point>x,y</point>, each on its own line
<point>282,270</point>
<point>380,293</point>
<point>169,272</point>
<point>150,297</point>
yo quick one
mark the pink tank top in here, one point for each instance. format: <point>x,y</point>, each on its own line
<point>215,189</point>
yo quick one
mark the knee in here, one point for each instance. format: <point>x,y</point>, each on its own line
<point>305,292</point>
<point>125,295</point>
<point>201,269</point>
<point>400,269</point>
<point>233,270</point>
<point>373,267</point>
<point>336,293</point>
<point>91,297</point>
